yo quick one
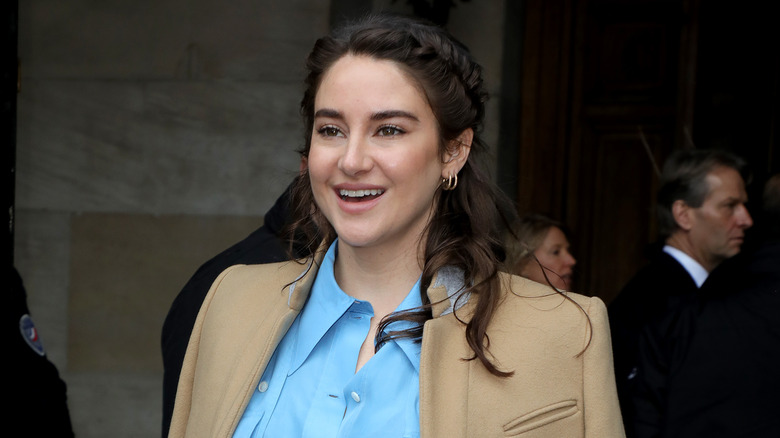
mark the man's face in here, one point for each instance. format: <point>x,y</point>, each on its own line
<point>718,225</point>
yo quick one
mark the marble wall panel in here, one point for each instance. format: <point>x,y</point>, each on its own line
<point>217,147</point>
<point>250,39</point>
<point>185,39</point>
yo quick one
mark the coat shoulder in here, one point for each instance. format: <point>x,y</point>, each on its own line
<point>280,272</point>
<point>566,319</point>
<point>539,296</point>
<point>262,278</point>
<point>247,289</point>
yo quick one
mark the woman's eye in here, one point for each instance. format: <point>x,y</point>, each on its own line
<point>388,131</point>
<point>329,131</point>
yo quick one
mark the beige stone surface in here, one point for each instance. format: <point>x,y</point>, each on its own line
<point>126,270</point>
<point>116,405</point>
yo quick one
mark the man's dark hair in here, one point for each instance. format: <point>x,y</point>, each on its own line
<point>684,177</point>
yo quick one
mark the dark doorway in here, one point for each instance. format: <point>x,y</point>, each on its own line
<point>609,88</point>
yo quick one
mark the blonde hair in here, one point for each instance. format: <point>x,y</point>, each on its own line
<point>523,237</point>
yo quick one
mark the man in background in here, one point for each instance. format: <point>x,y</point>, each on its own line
<point>702,220</point>
<point>710,367</point>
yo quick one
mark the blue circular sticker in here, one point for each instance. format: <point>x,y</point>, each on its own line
<point>30,334</point>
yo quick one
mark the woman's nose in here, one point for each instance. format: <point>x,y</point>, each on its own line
<point>355,158</point>
<point>570,260</point>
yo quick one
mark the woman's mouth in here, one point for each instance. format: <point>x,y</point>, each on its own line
<point>359,195</point>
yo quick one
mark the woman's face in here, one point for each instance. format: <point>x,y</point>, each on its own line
<point>554,255</point>
<point>374,160</point>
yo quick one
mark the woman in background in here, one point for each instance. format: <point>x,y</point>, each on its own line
<point>537,248</point>
<point>400,323</point>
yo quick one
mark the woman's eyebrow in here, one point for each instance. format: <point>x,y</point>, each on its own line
<point>389,114</point>
<point>379,115</point>
<point>329,113</point>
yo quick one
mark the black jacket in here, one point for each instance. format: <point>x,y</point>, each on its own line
<point>652,293</point>
<point>710,367</point>
<point>36,399</point>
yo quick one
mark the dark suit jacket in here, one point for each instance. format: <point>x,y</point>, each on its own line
<point>710,367</point>
<point>264,245</point>
<point>653,292</point>
<point>35,396</point>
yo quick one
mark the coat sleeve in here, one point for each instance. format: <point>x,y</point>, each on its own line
<point>600,401</point>
<point>648,409</point>
<point>662,346</point>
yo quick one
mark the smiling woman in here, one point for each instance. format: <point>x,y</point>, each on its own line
<point>400,324</point>
<point>374,131</point>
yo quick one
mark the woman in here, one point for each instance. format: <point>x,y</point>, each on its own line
<point>537,249</point>
<point>400,323</point>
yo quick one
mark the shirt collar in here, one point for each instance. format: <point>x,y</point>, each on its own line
<point>327,303</point>
<point>410,347</point>
<point>694,269</point>
<point>447,291</point>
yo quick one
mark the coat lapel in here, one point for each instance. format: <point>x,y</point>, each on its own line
<point>265,336</point>
<point>444,376</point>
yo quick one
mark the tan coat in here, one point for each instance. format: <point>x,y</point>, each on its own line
<point>560,387</point>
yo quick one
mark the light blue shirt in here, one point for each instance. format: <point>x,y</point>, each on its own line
<point>310,388</point>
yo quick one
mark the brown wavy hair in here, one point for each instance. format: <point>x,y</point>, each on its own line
<point>463,230</point>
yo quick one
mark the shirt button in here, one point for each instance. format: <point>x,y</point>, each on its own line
<point>263,386</point>
<point>355,397</point>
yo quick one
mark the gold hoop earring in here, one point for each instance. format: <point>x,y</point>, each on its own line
<point>449,183</point>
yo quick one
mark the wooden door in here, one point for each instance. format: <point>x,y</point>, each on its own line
<point>605,94</point>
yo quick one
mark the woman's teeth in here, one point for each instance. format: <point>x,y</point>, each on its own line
<point>359,193</point>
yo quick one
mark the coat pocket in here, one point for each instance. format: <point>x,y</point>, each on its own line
<point>541,417</point>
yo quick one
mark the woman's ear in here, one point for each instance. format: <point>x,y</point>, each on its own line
<point>457,153</point>
<point>304,165</point>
